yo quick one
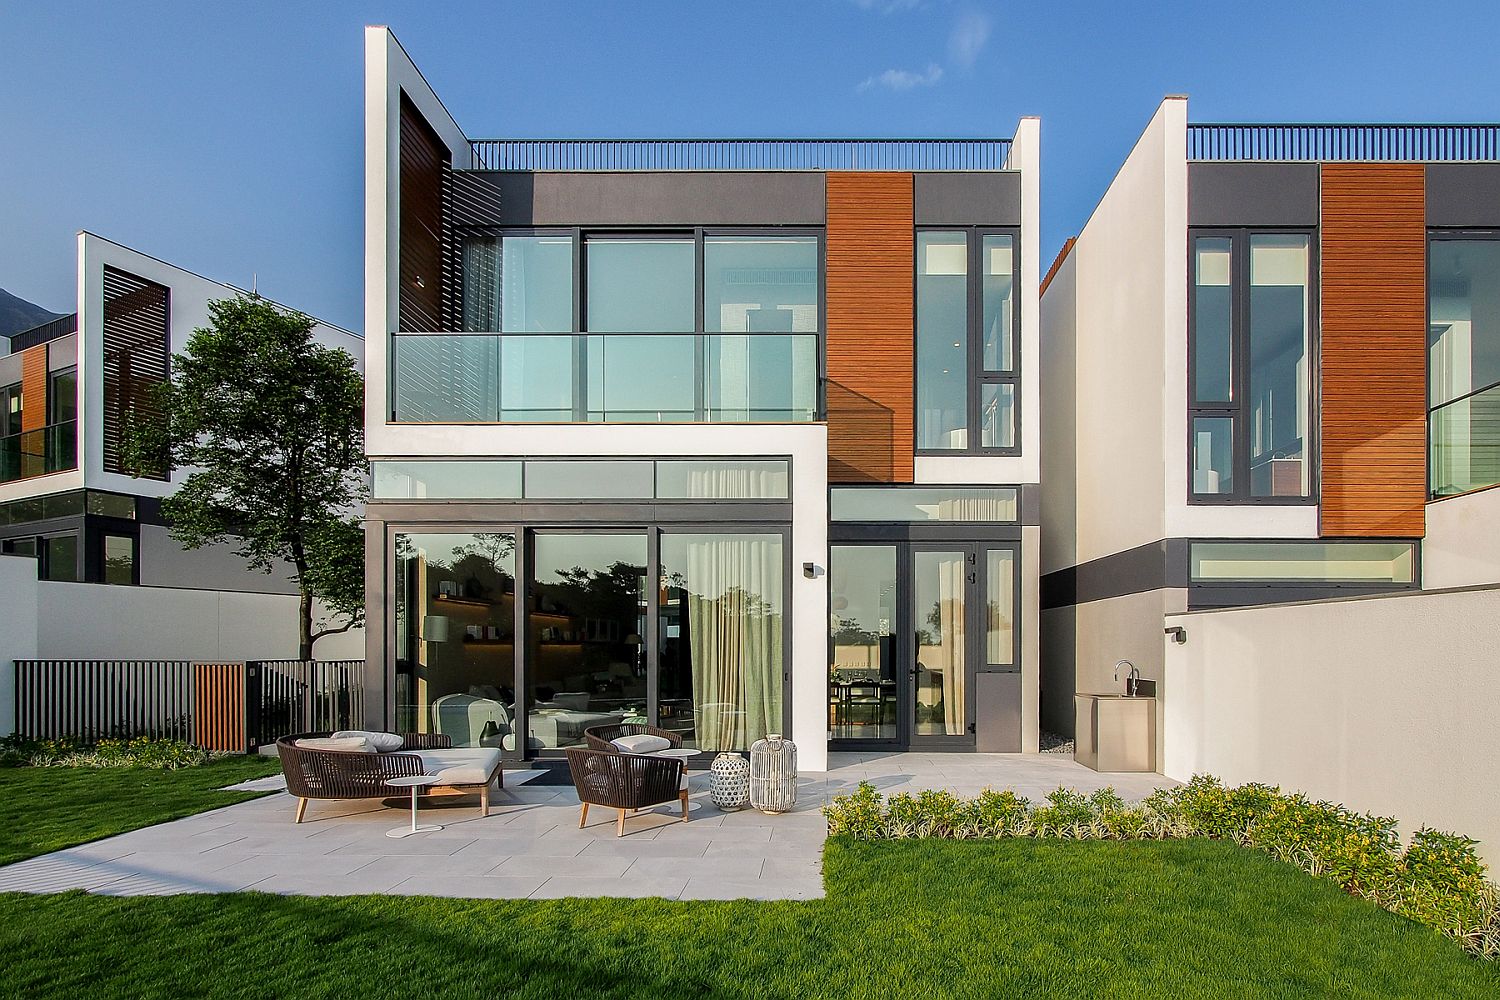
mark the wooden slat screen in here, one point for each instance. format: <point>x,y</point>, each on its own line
<point>1374,335</point>
<point>423,157</point>
<point>34,388</point>
<point>871,342</point>
<point>219,707</point>
<point>137,317</point>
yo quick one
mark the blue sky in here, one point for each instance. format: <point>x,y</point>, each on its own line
<point>226,137</point>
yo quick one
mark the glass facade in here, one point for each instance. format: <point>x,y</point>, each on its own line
<point>1250,391</point>
<point>997,254</point>
<point>1463,364</point>
<point>454,615</point>
<point>519,284</point>
<point>580,479</point>
<point>942,341</point>
<point>1303,562</point>
<point>760,284</point>
<point>720,636</point>
<point>643,285</point>
<point>979,504</point>
<point>862,674</point>
<point>62,396</point>
<point>588,479</point>
<point>446,480</point>
<point>119,559</point>
<point>939,614</point>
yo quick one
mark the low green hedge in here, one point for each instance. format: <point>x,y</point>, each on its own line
<point>1437,879</point>
<point>140,751</point>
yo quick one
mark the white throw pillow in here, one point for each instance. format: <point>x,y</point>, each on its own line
<point>382,742</point>
<point>643,743</point>
<point>352,744</point>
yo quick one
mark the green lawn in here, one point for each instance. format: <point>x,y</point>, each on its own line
<point>1007,918</point>
<point>45,809</point>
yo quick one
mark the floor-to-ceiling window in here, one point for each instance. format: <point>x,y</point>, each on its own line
<point>1249,373</point>
<point>1463,362</point>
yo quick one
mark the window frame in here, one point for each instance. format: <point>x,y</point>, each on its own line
<point>1440,233</point>
<point>976,378</point>
<point>52,394</point>
<point>1239,360</point>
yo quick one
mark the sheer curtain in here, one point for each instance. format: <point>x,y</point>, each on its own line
<point>951,574</point>
<point>735,608</point>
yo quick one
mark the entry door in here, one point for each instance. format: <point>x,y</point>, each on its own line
<point>944,644</point>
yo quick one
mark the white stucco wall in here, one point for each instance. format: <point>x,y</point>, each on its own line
<point>1462,546</point>
<point>18,616</point>
<point>1385,704</point>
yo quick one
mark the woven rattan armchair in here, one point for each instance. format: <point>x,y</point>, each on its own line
<point>345,774</point>
<point>625,781</point>
<point>602,737</point>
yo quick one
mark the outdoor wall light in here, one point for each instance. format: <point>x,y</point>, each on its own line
<point>1178,634</point>
<point>811,570</point>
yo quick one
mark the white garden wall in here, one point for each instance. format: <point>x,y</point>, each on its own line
<point>1386,704</point>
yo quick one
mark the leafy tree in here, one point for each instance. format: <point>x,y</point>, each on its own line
<point>271,425</point>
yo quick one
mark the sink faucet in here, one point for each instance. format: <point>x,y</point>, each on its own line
<point>1131,678</point>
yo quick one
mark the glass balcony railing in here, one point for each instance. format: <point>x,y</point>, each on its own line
<point>1464,442</point>
<point>605,378</point>
<point>36,453</point>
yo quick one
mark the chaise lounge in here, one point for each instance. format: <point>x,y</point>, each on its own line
<point>351,765</point>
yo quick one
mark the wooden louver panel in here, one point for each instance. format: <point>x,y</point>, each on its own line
<point>34,388</point>
<point>137,316</point>
<point>871,343</point>
<point>1374,336</point>
<point>423,156</point>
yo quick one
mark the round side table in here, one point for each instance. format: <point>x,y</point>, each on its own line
<point>414,782</point>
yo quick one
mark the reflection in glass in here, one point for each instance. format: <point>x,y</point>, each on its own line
<point>1213,455</point>
<point>584,631</point>
<point>942,338</point>
<point>720,634</point>
<point>1463,346</point>
<point>60,558</point>
<point>641,379</point>
<point>998,265</point>
<point>588,479</point>
<point>997,415</point>
<point>62,396</point>
<point>119,559</point>
<point>524,282</point>
<point>862,681</point>
<point>1212,320</point>
<point>1314,562</point>
<point>1000,607</point>
<point>640,285</point>
<point>922,503</point>
<point>1279,389</point>
<point>1465,442</point>
<point>729,479</point>
<point>10,409</point>
<point>536,379</point>
<point>445,379</point>
<point>447,480</point>
<point>760,284</point>
<point>938,609</point>
<point>455,636</point>
<point>760,378</point>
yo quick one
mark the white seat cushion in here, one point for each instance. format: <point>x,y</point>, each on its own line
<point>461,766</point>
<point>684,783</point>
<point>351,744</point>
<point>382,742</point>
<point>642,743</point>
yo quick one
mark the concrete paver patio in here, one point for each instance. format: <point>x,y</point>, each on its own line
<point>530,844</point>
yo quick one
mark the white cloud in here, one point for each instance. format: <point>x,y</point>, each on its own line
<point>970,33</point>
<point>903,79</point>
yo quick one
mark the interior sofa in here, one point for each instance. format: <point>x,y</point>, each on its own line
<point>351,765</point>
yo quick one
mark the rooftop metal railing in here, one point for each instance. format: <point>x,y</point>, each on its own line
<point>1334,142</point>
<point>740,154</point>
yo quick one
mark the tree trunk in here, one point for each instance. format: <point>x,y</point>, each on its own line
<point>304,626</point>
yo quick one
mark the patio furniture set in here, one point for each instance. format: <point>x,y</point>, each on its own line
<point>626,767</point>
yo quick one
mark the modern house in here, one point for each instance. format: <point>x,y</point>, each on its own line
<point>65,390</point>
<point>1270,367</point>
<point>731,436</point>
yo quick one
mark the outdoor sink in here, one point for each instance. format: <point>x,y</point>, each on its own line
<point>1114,731</point>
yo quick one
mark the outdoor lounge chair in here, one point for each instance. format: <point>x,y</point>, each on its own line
<point>603,737</point>
<point>626,781</point>
<point>353,774</point>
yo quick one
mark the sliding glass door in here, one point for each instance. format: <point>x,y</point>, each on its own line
<point>942,584</point>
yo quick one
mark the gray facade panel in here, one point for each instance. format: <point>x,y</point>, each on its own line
<point>980,198</point>
<point>639,198</point>
<point>1463,194</point>
<point>997,712</point>
<point>1253,194</point>
<point>62,353</point>
<point>1144,568</point>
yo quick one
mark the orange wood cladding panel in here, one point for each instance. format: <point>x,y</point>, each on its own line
<point>219,721</point>
<point>34,388</point>
<point>1374,337</point>
<point>871,345</point>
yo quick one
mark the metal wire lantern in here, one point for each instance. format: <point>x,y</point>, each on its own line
<point>773,774</point>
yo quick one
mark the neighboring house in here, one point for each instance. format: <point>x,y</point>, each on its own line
<point>65,497</point>
<point>735,437</point>
<point>1270,368</point>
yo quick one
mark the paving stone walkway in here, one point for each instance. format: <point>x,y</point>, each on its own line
<point>530,845</point>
